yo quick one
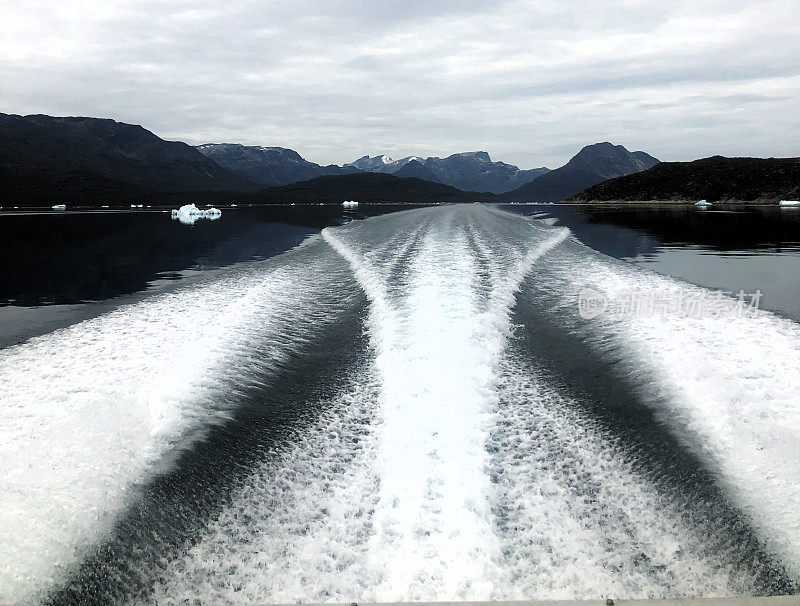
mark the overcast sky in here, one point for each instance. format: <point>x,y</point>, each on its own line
<point>529,82</point>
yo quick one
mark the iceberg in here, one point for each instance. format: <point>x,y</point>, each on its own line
<point>188,214</point>
<point>59,207</point>
<point>349,203</point>
<point>789,203</point>
<point>702,203</point>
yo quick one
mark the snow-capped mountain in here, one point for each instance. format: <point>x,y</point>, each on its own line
<point>470,171</point>
<point>376,164</point>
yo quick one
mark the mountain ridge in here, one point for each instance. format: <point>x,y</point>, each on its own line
<point>469,171</point>
<point>716,178</point>
<point>371,187</point>
<point>267,165</point>
<point>101,150</point>
<point>44,159</point>
<point>591,165</point>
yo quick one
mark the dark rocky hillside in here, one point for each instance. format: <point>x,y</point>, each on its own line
<point>714,179</point>
<point>65,156</point>
<point>593,164</point>
<point>367,187</point>
<point>416,169</point>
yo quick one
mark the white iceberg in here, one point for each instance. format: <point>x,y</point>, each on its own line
<point>59,207</point>
<point>349,203</point>
<point>789,203</point>
<point>188,214</point>
<point>702,203</point>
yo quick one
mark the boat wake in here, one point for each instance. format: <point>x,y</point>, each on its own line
<point>483,441</point>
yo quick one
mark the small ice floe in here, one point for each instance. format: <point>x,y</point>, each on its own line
<point>59,207</point>
<point>789,203</point>
<point>137,205</point>
<point>189,213</point>
<point>703,203</point>
<point>349,203</point>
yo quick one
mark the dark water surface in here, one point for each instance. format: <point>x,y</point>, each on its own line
<point>61,267</point>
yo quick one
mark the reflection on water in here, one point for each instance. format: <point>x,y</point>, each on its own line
<point>62,267</point>
<point>66,266</point>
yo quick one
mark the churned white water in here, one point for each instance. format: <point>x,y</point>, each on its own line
<point>728,383</point>
<point>299,526</point>
<point>89,411</point>
<point>579,520</point>
<point>437,347</point>
<point>449,466</point>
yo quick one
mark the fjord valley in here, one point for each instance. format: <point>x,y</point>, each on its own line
<point>416,303</point>
<point>93,161</point>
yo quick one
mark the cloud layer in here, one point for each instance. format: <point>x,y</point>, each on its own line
<point>530,82</point>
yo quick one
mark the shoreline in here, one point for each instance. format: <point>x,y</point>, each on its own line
<point>769,203</point>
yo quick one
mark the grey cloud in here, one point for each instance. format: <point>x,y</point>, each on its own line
<point>529,81</point>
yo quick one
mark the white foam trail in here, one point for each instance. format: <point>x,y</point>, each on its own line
<point>436,351</point>
<point>392,495</point>
<point>299,526</point>
<point>387,496</point>
<point>579,521</point>
<point>88,411</point>
<point>730,386</point>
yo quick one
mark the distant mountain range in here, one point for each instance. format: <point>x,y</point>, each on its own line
<point>48,160</point>
<point>591,165</point>
<point>268,165</point>
<point>714,179</point>
<point>470,171</point>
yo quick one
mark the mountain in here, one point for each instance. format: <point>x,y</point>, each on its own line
<point>378,164</point>
<point>416,169</point>
<point>51,156</point>
<point>469,171</point>
<point>366,187</point>
<point>591,165</point>
<point>716,179</point>
<point>267,165</point>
